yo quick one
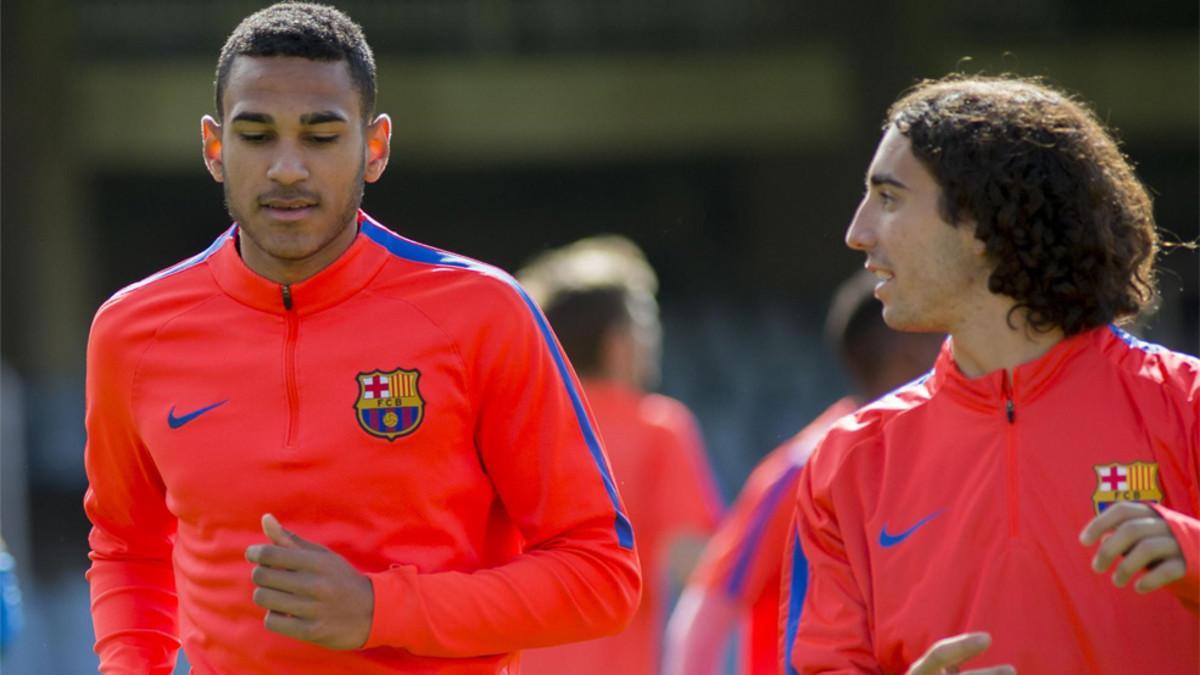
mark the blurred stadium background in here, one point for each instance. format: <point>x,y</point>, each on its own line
<point>727,137</point>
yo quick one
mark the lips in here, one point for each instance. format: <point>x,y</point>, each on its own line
<point>288,208</point>
<point>884,276</point>
<point>881,273</point>
<point>297,204</point>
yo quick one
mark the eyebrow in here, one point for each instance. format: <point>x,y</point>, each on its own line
<point>886,179</point>
<point>323,117</point>
<point>257,118</point>
<point>307,119</point>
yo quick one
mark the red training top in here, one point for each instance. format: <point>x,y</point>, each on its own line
<point>955,505</point>
<point>744,560</point>
<point>660,465</point>
<point>406,407</point>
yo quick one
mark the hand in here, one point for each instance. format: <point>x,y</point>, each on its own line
<point>310,593</point>
<point>1137,533</point>
<point>945,656</point>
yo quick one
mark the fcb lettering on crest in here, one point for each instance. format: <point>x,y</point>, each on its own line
<point>389,403</point>
<point>1136,482</point>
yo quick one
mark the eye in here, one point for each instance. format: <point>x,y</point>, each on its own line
<point>253,137</point>
<point>323,139</point>
<point>887,198</point>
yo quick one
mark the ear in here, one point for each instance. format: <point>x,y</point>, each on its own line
<point>379,144</point>
<point>210,139</point>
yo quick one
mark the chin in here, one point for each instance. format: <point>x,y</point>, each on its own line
<point>907,323</point>
<point>897,319</point>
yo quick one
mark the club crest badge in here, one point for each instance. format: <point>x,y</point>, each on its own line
<point>1136,482</point>
<point>389,403</point>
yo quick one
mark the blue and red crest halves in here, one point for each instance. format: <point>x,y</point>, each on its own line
<point>389,403</point>
<point>1136,482</point>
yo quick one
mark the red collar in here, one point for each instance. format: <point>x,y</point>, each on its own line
<point>347,275</point>
<point>993,390</point>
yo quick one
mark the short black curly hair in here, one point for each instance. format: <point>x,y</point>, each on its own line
<point>307,30</point>
<point>1065,220</point>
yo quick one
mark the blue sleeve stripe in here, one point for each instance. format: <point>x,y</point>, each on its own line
<point>783,486</point>
<point>412,251</point>
<point>799,588</point>
<point>182,265</point>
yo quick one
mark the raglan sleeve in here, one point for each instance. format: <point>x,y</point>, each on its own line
<point>578,575</point>
<point>132,584</point>
<point>1186,528</point>
<point>824,611</point>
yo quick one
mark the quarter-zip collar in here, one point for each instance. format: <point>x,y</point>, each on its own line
<point>344,277</point>
<point>995,390</point>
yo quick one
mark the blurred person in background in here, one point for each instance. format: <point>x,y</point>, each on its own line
<point>11,616</point>
<point>1033,504</point>
<point>406,411</point>
<point>599,295</point>
<point>736,584</point>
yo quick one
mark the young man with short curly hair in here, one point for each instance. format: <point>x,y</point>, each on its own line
<point>404,412</point>
<point>1000,211</point>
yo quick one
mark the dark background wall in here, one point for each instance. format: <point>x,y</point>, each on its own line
<point>728,138</point>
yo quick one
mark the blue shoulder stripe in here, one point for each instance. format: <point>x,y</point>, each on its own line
<point>410,250</point>
<point>1134,341</point>
<point>1149,347</point>
<point>796,593</point>
<point>758,523</point>
<point>182,265</point>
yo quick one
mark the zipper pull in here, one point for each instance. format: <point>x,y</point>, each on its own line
<point>287,297</point>
<point>1010,410</point>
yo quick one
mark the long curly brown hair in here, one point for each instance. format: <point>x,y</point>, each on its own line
<point>1068,225</point>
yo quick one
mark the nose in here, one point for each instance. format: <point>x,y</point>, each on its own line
<point>860,236</point>
<point>288,166</point>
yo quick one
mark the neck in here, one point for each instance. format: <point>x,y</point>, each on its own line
<point>288,271</point>
<point>987,345</point>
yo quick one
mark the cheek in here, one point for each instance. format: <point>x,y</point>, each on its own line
<point>234,166</point>
<point>337,169</point>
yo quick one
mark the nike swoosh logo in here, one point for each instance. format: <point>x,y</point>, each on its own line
<point>889,540</point>
<point>176,422</point>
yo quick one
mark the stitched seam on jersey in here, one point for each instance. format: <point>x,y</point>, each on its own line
<point>380,235</point>
<point>883,425</point>
<point>1179,395</point>
<point>453,343</point>
<point>137,369</point>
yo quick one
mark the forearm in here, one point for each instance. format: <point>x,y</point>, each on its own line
<point>134,612</point>
<point>545,597</point>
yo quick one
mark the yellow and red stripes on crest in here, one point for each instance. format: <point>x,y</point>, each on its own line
<point>403,384</point>
<point>1142,477</point>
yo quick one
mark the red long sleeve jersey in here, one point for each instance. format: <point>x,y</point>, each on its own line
<point>956,505</point>
<point>744,559</point>
<point>654,444</point>
<point>406,407</point>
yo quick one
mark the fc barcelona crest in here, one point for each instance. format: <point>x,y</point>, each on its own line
<point>389,403</point>
<point>1136,482</point>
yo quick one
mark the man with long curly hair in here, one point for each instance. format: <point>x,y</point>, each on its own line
<point>1032,503</point>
